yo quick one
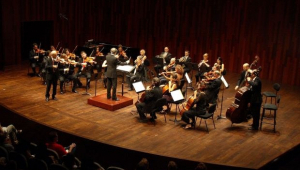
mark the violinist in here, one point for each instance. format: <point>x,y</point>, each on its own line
<point>184,60</point>
<point>200,108</point>
<point>85,68</point>
<point>167,70</point>
<point>66,72</point>
<point>172,85</point>
<point>220,66</point>
<point>122,54</point>
<point>52,74</point>
<point>34,56</point>
<point>69,55</point>
<point>243,76</point>
<point>98,53</point>
<point>213,87</point>
<point>137,74</point>
<point>166,56</point>
<point>142,55</point>
<point>256,98</point>
<point>152,94</point>
<point>203,67</point>
<point>179,73</point>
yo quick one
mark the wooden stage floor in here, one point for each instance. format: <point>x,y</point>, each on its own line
<point>232,146</point>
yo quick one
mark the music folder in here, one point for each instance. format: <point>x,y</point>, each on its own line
<point>225,82</point>
<point>188,78</point>
<point>138,86</point>
<point>177,95</point>
<point>125,68</point>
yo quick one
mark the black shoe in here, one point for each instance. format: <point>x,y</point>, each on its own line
<point>252,128</point>
<point>47,99</point>
<point>74,91</point>
<point>54,98</point>
<point>116,99</point>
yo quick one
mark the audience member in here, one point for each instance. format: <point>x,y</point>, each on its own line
<point>5,142</point>
<point>69,162</point>
<point>172,166</point>
<point>143,165</point>
<point>11,131</point>
<point>201,166</point>
<point>42,154</point>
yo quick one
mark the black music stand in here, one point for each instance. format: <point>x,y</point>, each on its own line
<point>177,99</point>
<point>225,85</point>
<point>124,69</point>
<point>138,87</point>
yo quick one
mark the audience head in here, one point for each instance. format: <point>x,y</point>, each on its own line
<point>89,164</point>
<point>201,166</point>
<point>69,161</point>
<point>143,165</point>
<point>53,137</point>
<point>172,166</point>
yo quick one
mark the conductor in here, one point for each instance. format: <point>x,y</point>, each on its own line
<point>111,73</point>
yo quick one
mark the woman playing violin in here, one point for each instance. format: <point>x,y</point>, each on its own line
<point>172,85</point>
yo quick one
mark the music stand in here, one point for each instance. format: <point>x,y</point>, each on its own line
<point>177,98</point>
<point>138,87</point>
<point>124,69</point>
<point>189,81</point>
<point>225,85</point>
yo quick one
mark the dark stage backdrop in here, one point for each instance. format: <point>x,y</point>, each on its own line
<point>236,30</point>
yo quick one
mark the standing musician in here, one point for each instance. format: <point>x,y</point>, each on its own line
<point>200,109</point>
<point>203,67</point>
<point>243,76</point>
<point>166,55</point>
<point>85,68</point>
<point>137,74</point>
<point>43,66</point>
<point>34,57</point>
<point>66,71</point>
<point>122,54</point>
<point>256,98</point>
<point>52,74</point>
<point>220,66</point>
<point>111,73</point>
<point>152,94</point>
<point>212,88</point>
<point>184,60</point>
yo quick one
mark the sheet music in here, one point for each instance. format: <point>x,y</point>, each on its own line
<point>177,95</point>
<point>224,81</point>
<point>188,78</point>
<point>138,86</point>
<point>125,68</point>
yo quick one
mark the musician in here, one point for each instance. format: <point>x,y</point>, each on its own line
<point>256,98</point>
<point>142,55</point>
<point>184,60</point>
<point>173,85</point>
<point>243,76</point>
<point>122,54</point>
<point>98,55</point>
<point>166,55</point>
<point>111,73</point>
<point>51,75</point>
<point>104,65</point>
<point>34,59</point>
<point>200,107</point>
<point>85,69</point>
<point>167,70</point>
<point>220,66</point>
<point>203,67</point>
<point>137,74</point>
<point>66,72</point>
<point>43,67</point>
<point>152,94</point>
<point>212,88</point>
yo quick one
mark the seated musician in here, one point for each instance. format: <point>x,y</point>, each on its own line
<point>85,68</point>
<point>199,109</point>
<point>137,74</point>
<point>69,55</point>
<point>184,60</point>
<point>212,88</point>
<point>166,56</point>
<point>66,72</point>
<point>170,68</point>
<point>34,55</point>
<point>178,71</point>
<point>243,76</point>
<point>220,66</point>
<point>172,85</point>
<point>152,94</point>
<point>142,55</point>
<point>122,54</point>
<point>203,67</point>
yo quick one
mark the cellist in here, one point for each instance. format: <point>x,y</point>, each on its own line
<point>200,109</point>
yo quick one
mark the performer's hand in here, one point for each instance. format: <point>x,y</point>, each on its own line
<point>236,87</point>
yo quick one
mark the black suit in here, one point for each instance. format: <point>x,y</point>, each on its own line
<point>85,71</point>
<point>151,96</point>
<point>111,75</point>
<point>139,73</point>
<point>34,62</point>
<point>241,80</point>
<point>201,70</point>
<point>168,57</point>
<point>212,90</point>
<point>184,64</point>
<point>51,76</point>
<point>256,100</point>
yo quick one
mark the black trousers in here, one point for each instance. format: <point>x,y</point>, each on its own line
<point>157,68</point>
<point>50,82</point>
<point>191,114</point>
<point>63,78</point>
<point>131,79</point>
<point>112,83</point>
<point>34,65</point>
<point>255,110</point>
<point>88,76</point>
<point>140,108</point>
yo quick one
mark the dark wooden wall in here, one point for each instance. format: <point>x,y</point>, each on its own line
<point>236,30</point>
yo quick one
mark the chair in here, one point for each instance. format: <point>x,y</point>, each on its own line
<point>20,160</point>
<point>3,152</point>
<point>270,107</point>
<point>37,164</point>
<point>53,153</point>
<point>208,114</point>
<point>272,95</point>
<point>114,168</point>
<point>32,148</point>
<point>57,167</point>
<point>158,106</point>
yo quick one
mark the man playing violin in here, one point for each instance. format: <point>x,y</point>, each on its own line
<point>66,72</point>
<point>212,88</point>
<point>137,74</point>
<point>200,108</point>
<point>34,58</point>
<point>85,68</point>
<point>122,54</point>
<point>203,67</point>
<point>152,94</point>
<point>52,74</point>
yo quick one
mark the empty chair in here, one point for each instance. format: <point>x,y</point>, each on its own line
<point>57,167</point>
<point>272,95</point>
<point>36,164</point>
<point>3,152</point>
<point>19,159</point>
<point>270,107</point>
<point>208,114</point>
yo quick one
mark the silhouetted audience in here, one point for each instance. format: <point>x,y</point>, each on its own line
<point>172,165</point>
<point>6,142</point>
<point>61,151</point>
<point>142,165</point>
<point>42,154</point>
<point>201,166</point>
<point>69,162</point>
